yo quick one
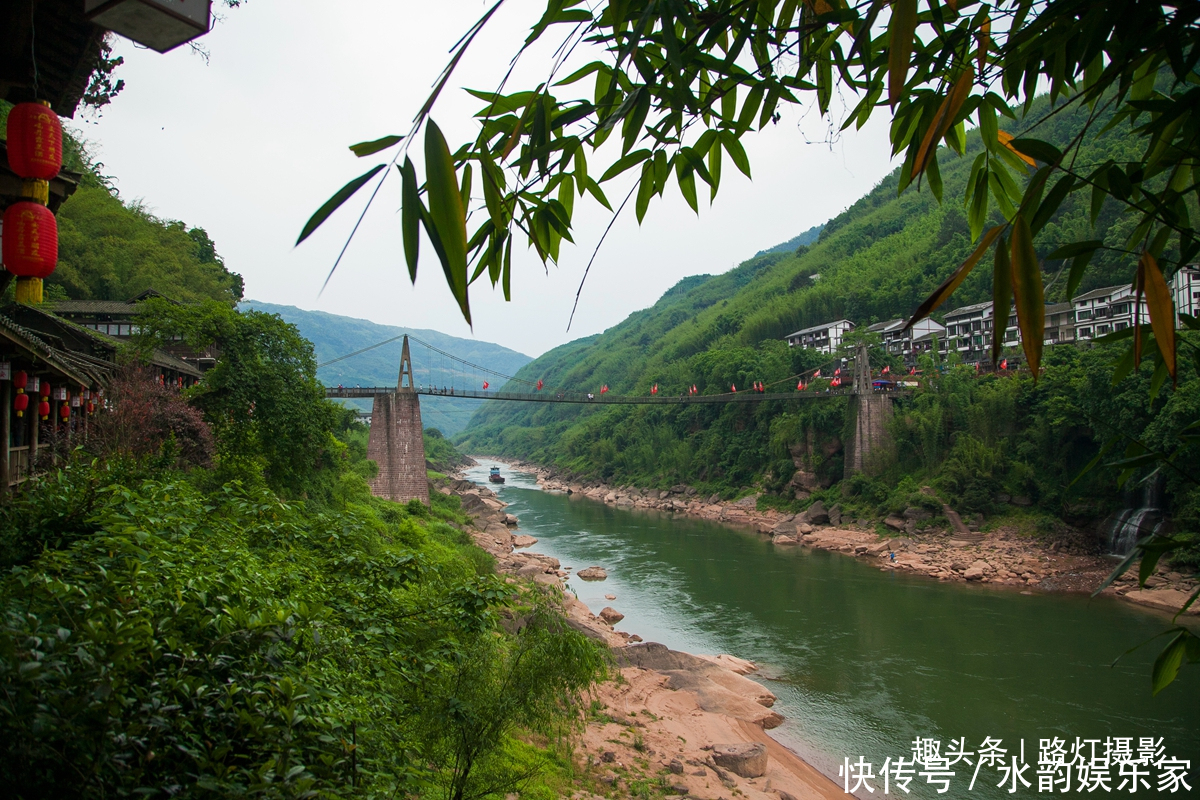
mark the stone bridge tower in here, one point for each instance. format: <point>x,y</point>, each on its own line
<point>396,442</point>
<point>870,412</point>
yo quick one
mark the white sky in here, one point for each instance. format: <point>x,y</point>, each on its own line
<point>251,144</point>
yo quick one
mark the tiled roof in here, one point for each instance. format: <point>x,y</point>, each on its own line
<point>822,327</point>
<point>92,307</point>
<point>1096,293</point>
<point>73,367</point>
<point>971,309</point>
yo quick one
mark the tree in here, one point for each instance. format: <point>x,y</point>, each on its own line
<point>263,401</point>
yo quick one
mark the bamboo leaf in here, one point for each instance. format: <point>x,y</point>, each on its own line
<point>1001,298</point>
<point>1162,310</point>
<point>369,148</point>
<point>332,204</point>
<point>1166,666</point>
<point>1005,138</point>
<point>1036,148</point>
<point>624,163</point>
<point>734,147</point>
<point>902,29</point>
<point>446,213</point>
<point>947,111</point>
<point>1051,203</point>
<point>1027,291</point>
<point>950,284</point>
<point>410,216</point>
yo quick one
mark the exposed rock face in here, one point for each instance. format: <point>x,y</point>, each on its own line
<point>510,520</point>
<point>611,615</point>
<point>746,759</point>
<point>593,574</point>
<point>784,540</point>
<point>523,541</point>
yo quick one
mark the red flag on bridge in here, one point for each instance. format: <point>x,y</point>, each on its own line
<point>654,389</point>
<point>886,371</point>
<point>604,388</point>
<point>836,382</point>
<point>485,384</point>
<point>734,388</point>
<point>1004,364</point>
<point>539,384</point>
<point>912,371</point>
<point>694,389</point>
<point>817,374</point>
<point>837,372</point>
<point>800,386</point>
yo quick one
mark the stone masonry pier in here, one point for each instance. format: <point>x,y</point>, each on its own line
<point>396,442</point>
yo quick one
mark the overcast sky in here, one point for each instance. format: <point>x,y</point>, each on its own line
<point>250,144</point>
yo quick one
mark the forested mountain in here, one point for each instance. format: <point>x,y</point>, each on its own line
<point>791,245</point>
<point>875,261</point>
<point>334,336</point>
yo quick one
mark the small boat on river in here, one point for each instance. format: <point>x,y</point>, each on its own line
<point>494,475</point>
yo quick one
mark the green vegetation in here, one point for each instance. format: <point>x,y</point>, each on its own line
<point>205,599</point>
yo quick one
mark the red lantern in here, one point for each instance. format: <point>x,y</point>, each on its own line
<point>35,141</point>
<point>20,381</point>
<point>44,409</point>
<point>65,411</point>
<point>30,240</point>
<point>91,407</point>
<point>45,388</point>
<point>20,403</point>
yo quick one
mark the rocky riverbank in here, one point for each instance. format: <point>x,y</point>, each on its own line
<point>694,726</point>
<point>958,552</point>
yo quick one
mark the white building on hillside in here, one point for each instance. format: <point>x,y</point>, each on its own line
<point>823,338</point>
<point>899,342</point>
<point>1185,290</point>
<point>1102,311</point>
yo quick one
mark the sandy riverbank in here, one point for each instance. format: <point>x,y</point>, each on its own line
<point>1001,557</point>
<point>694,723</point>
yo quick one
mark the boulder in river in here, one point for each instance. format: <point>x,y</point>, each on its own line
<point>747,759</point>
<point>593,574</point>
<point>524,541</point>
<point>611,615</point>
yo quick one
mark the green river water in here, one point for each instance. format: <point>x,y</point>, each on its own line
<point>865,661</point>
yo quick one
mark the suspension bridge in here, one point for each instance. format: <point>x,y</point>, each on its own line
<point>396,440</point>
<point>464,376</point>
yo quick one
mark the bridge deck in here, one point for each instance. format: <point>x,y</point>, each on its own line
<point>616,400</point>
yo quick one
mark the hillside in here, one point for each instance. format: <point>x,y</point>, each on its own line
<point>874,261</point>
<point>333,336</point>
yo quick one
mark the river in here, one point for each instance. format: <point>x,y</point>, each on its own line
<point>864,661</point>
